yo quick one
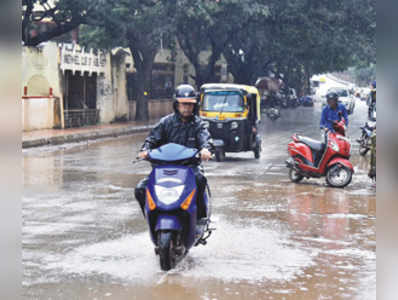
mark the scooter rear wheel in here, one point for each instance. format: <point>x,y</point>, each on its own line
<point>294,175</point>
<point>338,176</point>
<point>167,256</point>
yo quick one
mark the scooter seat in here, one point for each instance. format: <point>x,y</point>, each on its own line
<point>313,144</point>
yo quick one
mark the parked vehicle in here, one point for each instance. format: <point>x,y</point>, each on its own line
<point>293,101</point>
<point>273,113</point>
<point>366,137</point>
<point>170,208</point>
<point>306,101</point>
<point>329,158</point>
<point>271,101</point>
<point>232,113</point>
<point>284,101</point>
<point>345,98</point>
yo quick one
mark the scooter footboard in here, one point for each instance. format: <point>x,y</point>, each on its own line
<point>168,222</point>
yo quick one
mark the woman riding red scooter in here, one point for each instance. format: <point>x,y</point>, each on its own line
<point>330,158</point>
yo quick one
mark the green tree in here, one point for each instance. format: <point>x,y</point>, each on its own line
<point>205,28</point>
<point>209,27</point>
<point>300,38</point>
<point>61,17</point>
<point>138,25</point>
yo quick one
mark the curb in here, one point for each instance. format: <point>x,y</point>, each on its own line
<point>78,137</point>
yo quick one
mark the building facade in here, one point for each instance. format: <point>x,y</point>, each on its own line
<point>66,86</point>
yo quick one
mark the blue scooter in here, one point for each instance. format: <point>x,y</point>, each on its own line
<point>170,207</point>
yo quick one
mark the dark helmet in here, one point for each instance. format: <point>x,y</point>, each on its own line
<point>332,96</point>
<point>185,93</point>
<point>374,84</point>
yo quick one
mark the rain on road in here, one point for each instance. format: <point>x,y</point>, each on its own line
<point>83,236</point>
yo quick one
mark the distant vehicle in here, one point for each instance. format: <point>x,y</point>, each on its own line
<point>231,112</point>
<point>306,101</point>
<point>345,97</point>
<point>293,101</point>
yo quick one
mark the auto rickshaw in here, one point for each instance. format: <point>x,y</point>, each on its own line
<point>231,112</point>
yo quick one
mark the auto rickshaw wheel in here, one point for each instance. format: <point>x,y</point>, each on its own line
<point>220,155</point>
<point>257,149</point>
<point>256,153</point>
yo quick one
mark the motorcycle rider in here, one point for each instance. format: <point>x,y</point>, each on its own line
<point>182,127</point>
<point>331,112</point>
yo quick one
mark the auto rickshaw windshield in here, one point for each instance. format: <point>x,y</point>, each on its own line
<point>225,101</point>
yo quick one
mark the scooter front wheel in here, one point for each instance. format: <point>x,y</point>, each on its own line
<point>294,175</point>
<point>167,256</point>
<point>338,176</point>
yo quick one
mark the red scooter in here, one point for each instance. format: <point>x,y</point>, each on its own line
<point>311,158</point>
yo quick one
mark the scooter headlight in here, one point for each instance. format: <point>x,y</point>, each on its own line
<point>334,147</point>
<point>168,195</point>
<point>234,125</point>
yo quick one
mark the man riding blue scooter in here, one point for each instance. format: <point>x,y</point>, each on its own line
<point>182,127</point>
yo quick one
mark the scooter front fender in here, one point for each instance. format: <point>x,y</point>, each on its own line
<point>168,222</point>
<point>342,161</point>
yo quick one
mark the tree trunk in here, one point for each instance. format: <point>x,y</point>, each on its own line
<point>307,77</point>
<point>242,75</point>
<point>144,86</point>
<point>143,61</point>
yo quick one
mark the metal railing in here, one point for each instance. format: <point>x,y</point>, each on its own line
<point>80,117</point>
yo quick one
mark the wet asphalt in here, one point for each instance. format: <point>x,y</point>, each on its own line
<point>83,236</point>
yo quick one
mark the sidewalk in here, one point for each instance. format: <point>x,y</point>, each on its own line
<point>38,138</point>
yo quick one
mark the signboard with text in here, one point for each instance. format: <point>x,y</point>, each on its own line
<point>75,58</point>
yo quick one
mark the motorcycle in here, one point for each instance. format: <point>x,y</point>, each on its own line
<point>284,102</point>
<point>171,207</point>
<point>330,158</point>
<point>293,102</point>
<point>270,106</point>
<point>365,140</point>
<point>273,113</point>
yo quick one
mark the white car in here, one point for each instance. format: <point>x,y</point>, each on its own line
<point>345,98</point>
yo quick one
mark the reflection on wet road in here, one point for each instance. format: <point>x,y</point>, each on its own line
<point>84,237</point>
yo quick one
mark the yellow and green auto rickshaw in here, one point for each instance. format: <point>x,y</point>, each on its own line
<point>232,113</point>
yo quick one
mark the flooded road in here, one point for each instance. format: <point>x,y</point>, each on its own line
<point>84,236</point>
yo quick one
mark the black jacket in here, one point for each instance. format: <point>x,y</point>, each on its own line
<point>171,129</point>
